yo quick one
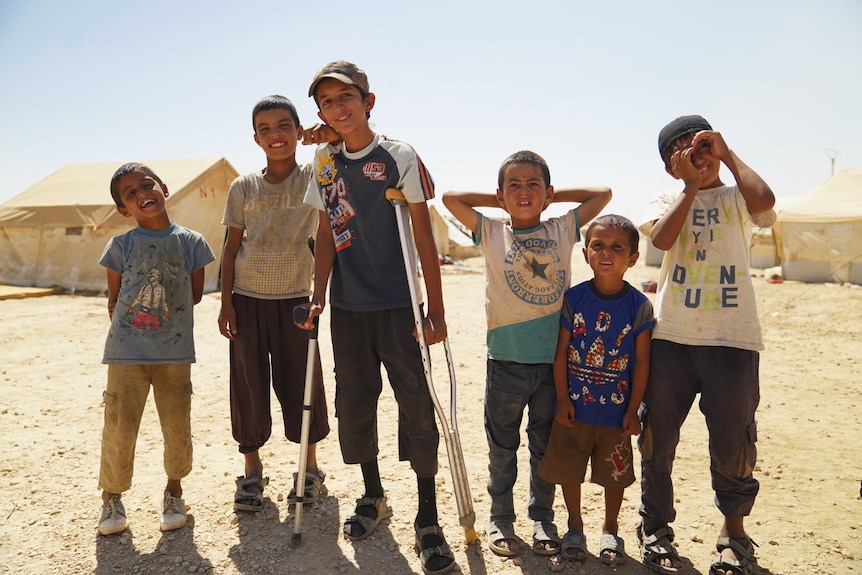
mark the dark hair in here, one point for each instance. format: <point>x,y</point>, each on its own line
<point>618,222</point>
<point>125,170</point>
<point>274,102</point>
<point>524,157</point>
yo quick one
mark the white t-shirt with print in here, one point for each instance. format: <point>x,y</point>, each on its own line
<point>705,293</point>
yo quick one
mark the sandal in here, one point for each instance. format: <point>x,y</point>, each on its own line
<point>574,547</point>
<point>426,554</point>
<point>743,548</point>
<point>501,538</point>
<point>376,505</point>
<point>657,547</point>
<point>546,541</point>
<point>313,489</point>
<point>612,550</point>
<point>249,493</point>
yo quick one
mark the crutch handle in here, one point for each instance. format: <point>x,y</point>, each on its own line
<point>300,314</point>
<point>395,196</point>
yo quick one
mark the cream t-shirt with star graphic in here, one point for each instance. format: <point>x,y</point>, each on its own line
<point>526,272</point>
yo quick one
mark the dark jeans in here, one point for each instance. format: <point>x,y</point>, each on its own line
<point>509,388</point>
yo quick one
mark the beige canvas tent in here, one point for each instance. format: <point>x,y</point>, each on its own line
<point>53,233</point>
<point>452,238</point>
<point>819,236</point>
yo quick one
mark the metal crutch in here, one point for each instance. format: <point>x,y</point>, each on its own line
<point>467,517</point>
<point>300,314</point>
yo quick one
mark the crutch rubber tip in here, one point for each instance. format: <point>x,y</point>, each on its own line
<point>296,539</point>
<point>470,536</point>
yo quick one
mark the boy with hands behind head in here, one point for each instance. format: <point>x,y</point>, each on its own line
<point>527,265</point>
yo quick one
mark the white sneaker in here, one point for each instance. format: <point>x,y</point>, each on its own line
<point>113,517</point>
<point>173,513</point>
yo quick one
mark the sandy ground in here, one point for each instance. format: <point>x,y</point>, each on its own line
<point>808,518</point>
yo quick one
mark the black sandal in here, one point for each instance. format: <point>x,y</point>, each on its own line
<point>249,493</point>
<point>743,548</point>
<point>430,565</point>
<point>367,523</point>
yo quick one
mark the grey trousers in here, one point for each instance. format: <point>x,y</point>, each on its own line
<point>727,381</point>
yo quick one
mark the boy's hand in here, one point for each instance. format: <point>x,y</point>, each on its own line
<point>565,415</point>
<point>631,424</point>
<point>320,134</point>
<point>683,168</point>
<point>315,308</point>
<point>434,328</point>
<point>711,143</point>
<point>227,320</point>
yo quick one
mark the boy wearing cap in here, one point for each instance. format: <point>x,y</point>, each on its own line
<point>372,318</point>
<point>706,340</point>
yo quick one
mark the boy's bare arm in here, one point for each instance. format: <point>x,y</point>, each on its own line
<point>565,409</point>
<point>640,374</point>
<point>114,282</point>
<point>462,205</point>
<point>592,200</point>
<point>757,193</point>
<point>227,314</point>
<point>324,259</point>
<point>667,228</point>
<point>197,285</point>
<point>434,325</point>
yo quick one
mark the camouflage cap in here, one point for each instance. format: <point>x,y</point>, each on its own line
<point>343,71</point>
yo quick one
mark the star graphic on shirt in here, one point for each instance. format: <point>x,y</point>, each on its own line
<point>538,269</point>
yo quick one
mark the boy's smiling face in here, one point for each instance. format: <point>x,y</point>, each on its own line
<point>343,107</point>
<point>609,253</point>
<point>143,199</point>
<point>276,132</point>
<point>524,195</point>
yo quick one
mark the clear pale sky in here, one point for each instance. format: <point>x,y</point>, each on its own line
<point>587,85</point>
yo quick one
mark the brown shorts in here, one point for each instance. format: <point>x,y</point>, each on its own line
<point>570,448</point>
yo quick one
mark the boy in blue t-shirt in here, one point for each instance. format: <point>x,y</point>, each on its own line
<point>155,276</point>
<point>600,374</point>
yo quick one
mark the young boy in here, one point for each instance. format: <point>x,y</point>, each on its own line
<point>706,339</point>
<point>155,276</point>
<point>527,266</point>
<point>372,318</point>
<point>266,272</point>
<point>600,372</point>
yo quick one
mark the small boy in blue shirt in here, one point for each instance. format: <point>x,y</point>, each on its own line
<point>600,374</point>
<point>155,276</point>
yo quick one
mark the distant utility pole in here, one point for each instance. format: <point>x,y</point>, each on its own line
<point>832,155</point>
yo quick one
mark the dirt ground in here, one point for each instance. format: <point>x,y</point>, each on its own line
<point>808,517</point>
